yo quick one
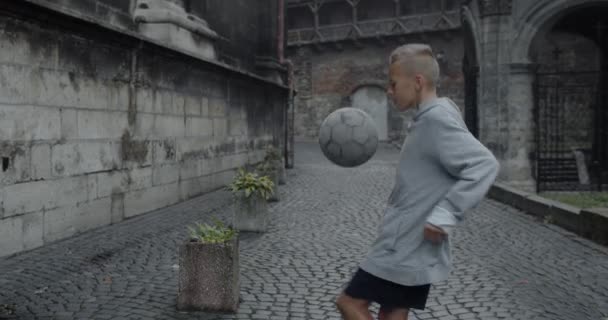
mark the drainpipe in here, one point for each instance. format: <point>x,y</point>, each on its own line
<point>281,37</point>
<point>288,147</point>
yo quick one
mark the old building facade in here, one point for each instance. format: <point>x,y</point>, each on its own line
<point>340,50</point>
<point>529,76</point>
<point>113,108</point>
<point>537,82</point>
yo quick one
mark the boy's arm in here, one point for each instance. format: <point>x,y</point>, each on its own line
<point>473,166</point>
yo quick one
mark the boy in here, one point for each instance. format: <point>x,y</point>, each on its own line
<point>443,171</point>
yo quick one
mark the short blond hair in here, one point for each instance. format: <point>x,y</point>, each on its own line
<point>418,58</point>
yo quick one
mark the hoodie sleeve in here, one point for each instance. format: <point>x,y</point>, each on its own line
<point>470,163</point>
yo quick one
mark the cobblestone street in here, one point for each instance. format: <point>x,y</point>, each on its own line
<point>508,265</point>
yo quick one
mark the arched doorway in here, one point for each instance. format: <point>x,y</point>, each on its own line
<point>373,100</point>
<point>570,109</point>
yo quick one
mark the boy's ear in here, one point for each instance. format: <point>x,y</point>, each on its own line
<point>419,82</point>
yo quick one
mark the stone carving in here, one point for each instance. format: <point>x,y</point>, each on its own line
<point>168,22</point>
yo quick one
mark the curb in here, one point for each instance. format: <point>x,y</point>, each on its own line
<point>588,223</point>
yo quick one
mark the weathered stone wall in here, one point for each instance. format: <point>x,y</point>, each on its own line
<point>327,78</point>
<point>249,27</point>
<point>97,126</point>
<point>239,43</point>
<point>506,119</point>
<point>114,13</point>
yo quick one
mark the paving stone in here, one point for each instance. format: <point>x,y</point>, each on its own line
<point>507,264</point>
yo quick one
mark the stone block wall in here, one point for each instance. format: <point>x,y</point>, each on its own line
<point>115,13</point>
<point>97,126</point>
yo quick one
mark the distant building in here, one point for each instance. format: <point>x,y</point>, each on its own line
<point>340,51</point>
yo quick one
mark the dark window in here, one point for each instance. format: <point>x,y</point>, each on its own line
<point>375,9</point>
<point>300,17</point>
<point>339,12</point>
<point>452,4</point>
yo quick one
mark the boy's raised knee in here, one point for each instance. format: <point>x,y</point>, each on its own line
<point>341,302</point>
<point>344,302</point>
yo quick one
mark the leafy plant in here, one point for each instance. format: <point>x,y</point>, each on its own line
<point>272,154</point>
<point>251,183</point>
<point>8,309</point>
<point>215,233</point>
<point>266,167</point>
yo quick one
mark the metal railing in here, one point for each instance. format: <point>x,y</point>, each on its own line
<point>437,21</point>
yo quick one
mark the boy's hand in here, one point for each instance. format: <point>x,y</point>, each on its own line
<point>434,234</point>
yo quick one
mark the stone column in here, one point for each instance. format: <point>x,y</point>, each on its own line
<point>506,104</point>
<point>490,106</point>
<point>267,60</point>
<point>518,163</point>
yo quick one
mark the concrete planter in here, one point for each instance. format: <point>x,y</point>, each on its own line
<point>282,173</point>
<point>250,213</point>
<point>595,224</point>
<point>209,277</point>
<point>275,177</point>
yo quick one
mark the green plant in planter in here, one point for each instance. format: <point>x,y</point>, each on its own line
<point>272,171</point>
<point>272,154</point>
<point>251,183</point>
<point>215,233</point>
<point>7,311</point>
<point>208,277</point>
<point>266,167</point>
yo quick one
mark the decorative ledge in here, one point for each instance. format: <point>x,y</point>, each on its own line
<point>589,223</point>
<point>168,22</point>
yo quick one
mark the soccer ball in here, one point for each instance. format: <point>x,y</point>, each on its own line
<point>348,137</point>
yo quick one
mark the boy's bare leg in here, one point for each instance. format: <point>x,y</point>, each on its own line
<point>393,314</point>
<point>353,309</point>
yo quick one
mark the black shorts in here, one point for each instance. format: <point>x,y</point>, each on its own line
<point>388,295</point>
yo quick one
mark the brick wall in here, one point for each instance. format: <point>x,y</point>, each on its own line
<point>326,78</point>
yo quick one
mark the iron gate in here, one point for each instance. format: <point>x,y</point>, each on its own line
<point>570,125</point>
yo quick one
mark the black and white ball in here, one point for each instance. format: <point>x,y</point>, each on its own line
<point>348,137</point>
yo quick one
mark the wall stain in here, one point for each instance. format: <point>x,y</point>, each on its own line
<point>134,150</point>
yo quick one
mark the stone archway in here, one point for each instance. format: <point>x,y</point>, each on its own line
<point>373,100</point>
<point>541,17</point>
<point>571,110</point>
<point>507,77</point>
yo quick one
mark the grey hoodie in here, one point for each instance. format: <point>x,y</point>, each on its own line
<point>443,172</point>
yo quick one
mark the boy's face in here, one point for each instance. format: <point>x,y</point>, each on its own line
<point>403,89</point>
